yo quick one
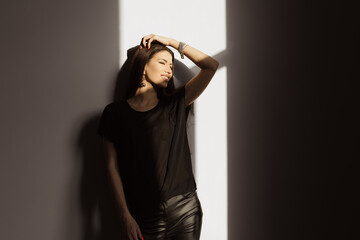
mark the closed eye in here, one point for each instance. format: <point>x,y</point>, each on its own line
<point>171,67</point>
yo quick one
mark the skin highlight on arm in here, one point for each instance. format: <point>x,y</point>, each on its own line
<point>208,66</point>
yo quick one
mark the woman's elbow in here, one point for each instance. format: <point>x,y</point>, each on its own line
<point>214,65</point>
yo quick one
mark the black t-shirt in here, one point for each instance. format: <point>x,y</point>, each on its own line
<point>154,158</point>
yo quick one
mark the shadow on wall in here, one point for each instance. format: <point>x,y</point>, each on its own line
<point>100,220</point>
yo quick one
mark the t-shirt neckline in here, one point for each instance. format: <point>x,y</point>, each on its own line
<point>150,110</point>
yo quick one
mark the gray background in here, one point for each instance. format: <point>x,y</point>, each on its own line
<point>59,61</point>
<point>291,123</point>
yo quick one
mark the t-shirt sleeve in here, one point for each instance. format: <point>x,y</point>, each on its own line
<point>179,101</point>
<point>106,125</point>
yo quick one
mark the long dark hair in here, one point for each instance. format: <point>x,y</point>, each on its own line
<point>138,61</point>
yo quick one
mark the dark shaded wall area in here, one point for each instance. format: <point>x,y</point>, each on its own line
<point>292,129</point>
<point>58,67</point>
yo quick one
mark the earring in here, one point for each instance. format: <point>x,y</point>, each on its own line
<point>143,84</point>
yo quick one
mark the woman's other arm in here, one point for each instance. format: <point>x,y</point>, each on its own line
<point>131,228</point>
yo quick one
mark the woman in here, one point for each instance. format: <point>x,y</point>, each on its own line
<point>146,146</point>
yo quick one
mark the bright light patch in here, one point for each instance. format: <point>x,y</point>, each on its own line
<point>211,156</point>
<point>199,23</point>
<point>202,25</point>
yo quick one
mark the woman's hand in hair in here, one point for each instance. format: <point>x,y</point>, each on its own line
<point>148,39</point>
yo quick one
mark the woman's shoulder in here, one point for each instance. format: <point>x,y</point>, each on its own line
<point>114,106</point>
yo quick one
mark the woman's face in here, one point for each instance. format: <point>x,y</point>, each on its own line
<point>158,70</point>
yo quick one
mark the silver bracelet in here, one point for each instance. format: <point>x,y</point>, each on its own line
<point>182,46</point>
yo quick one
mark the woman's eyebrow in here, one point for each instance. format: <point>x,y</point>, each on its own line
<point>164,60</point>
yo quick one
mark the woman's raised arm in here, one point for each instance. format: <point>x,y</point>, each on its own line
<point>207,64</point>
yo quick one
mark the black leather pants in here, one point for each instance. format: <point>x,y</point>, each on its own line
<point>179,218</point>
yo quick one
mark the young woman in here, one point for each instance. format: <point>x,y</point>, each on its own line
<point>146,145</point>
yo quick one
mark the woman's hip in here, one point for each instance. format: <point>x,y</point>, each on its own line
<point>180,217</point>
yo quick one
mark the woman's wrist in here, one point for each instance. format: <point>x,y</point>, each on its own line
<point>125,214</point>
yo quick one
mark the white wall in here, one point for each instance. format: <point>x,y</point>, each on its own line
<point>201,24</point>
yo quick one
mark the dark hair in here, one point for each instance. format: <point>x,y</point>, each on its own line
<point>138,61</point>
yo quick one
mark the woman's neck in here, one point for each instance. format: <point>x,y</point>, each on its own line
<point>145,95</point>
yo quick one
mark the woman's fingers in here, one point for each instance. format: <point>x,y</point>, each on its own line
<point>133,236</point>
<point>139,232</point>
<point>149,42</point>
<point>152,38</point>
<point>146,40</point>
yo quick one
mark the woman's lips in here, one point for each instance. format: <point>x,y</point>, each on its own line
<point>165,77</point>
